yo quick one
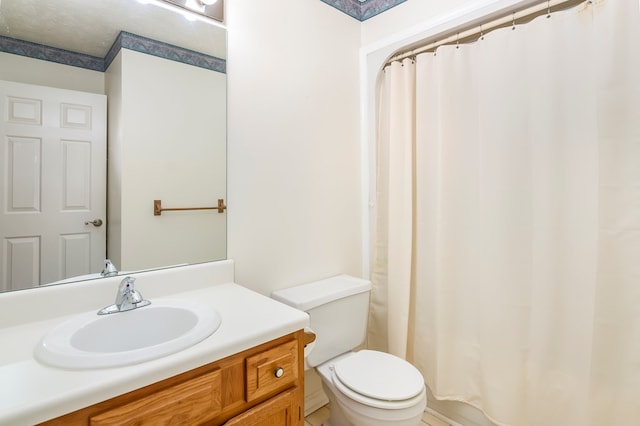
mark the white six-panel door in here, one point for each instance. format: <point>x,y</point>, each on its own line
<point>52,184</point>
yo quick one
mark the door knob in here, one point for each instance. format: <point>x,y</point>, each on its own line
<point>94,222</point>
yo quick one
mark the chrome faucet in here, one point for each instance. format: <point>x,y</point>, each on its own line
<point>127,298</point>
<point>109,269</point>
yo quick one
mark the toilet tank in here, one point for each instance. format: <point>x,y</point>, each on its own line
<point>338,309</point>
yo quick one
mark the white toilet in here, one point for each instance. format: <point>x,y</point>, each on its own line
<point>365,388</point>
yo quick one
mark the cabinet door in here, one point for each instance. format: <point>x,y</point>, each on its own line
<point>191,402</point>
<point>280,410</point>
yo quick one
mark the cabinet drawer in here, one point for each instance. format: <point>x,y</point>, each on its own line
<point>272,370</point>
<point>190,402</point>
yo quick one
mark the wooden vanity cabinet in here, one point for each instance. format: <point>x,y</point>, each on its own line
<point>262,386</point>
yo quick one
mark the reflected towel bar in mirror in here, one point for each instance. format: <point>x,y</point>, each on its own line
<point>158,209</point>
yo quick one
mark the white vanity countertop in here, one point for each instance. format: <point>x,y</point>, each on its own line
<point>31,392</point>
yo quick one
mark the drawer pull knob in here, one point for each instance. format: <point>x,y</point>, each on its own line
<point>279,372</point>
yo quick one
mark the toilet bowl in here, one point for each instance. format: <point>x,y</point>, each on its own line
<point>365,388</point>
<point>369,388</point>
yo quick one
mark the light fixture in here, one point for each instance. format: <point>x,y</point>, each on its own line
<point>201,10</point>
<point>196,5</point>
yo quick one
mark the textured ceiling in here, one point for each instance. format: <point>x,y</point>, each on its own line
<point>91,26</point>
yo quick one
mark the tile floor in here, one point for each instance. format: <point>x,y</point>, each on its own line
<point>318,417</point>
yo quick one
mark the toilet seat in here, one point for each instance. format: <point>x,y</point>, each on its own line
<point>378,379</point>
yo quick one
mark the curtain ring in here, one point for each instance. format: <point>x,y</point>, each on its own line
<point>513,21</point>
<point>458,40</point>
<point>481,33</point>
<point>548,9</point>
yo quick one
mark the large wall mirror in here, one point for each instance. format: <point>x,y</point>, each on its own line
<point>110,109</point>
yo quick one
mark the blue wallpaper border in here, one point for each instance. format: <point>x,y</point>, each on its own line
<point>149,46</point>
<point>51,54</point>
<point>124,40</point>
<point>365,9</point>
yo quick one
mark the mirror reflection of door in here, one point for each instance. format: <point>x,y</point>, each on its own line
<point>52,184</point>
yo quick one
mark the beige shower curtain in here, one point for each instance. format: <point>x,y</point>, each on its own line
<point>507,247</point>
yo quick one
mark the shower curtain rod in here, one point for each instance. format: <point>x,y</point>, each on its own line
<point>468,33</point>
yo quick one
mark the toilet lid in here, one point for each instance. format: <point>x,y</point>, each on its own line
<point>380,376</point>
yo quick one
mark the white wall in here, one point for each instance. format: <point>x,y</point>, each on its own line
<point>167,142</point>
<point>115,146</point>
<point>293,142</point>
<point>34,71</point>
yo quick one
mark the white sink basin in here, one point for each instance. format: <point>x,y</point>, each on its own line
<point>97,341</point>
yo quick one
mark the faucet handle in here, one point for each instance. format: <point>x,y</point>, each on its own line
<point>109,269</point>
<point>126,285</point>
<point>128,298</point>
